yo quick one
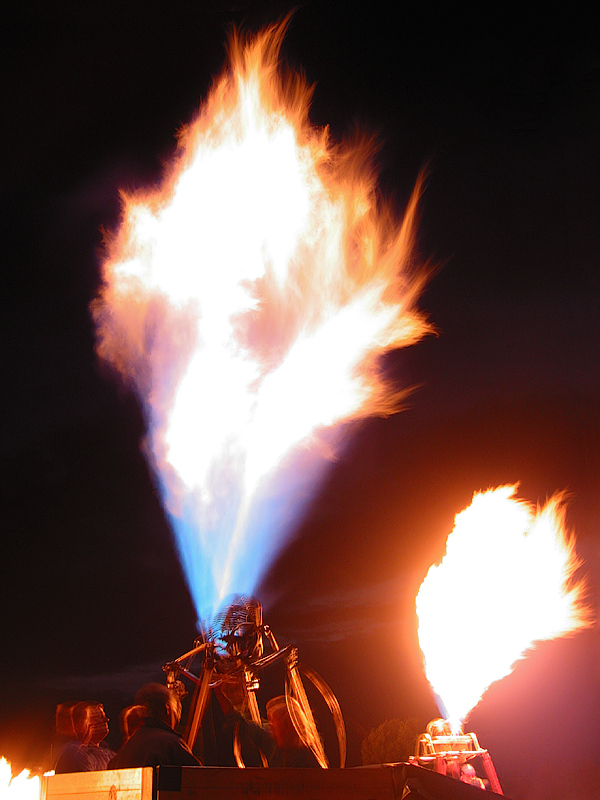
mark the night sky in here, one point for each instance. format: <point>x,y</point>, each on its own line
<point>503,110</point>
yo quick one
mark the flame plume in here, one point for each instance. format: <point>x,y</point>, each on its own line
<point>508,572</point>
<point>23,786</point>
<point>247,299</point>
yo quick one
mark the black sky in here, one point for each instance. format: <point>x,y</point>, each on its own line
<point>503,109</point>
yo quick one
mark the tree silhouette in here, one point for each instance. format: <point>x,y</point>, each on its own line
<point>391,742</point>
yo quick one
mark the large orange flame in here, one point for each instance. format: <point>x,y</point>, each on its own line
<point>248,298</point>
<point>505,582</point>
<point>23,786</point>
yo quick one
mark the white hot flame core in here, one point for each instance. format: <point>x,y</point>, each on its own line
<point>23,786</point>
<point>508,571</point>
<point>247,300</point>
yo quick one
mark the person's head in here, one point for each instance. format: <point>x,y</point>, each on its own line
<point>64,720</point>
<point>160,703</point>
<point>130,719</point>
<point>467,773</point>
<point>90,722</point>
<point>281,723</point>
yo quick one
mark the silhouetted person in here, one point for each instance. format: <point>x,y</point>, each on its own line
<point>234,726</point>
<point>290,750</point>
<point>64,731</point>
<point>86,753</point>
<point>155,742</point>
<point>130,720</point>
<point>468,775</point>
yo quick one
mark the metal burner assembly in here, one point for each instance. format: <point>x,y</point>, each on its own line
<point>231,657</point>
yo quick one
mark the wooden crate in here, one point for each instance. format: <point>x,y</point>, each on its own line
<point>111,784</point>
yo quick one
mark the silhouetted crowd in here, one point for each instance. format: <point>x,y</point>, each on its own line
<point>150,737</point>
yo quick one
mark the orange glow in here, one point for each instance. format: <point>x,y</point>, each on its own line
<point>20,787</point>
<point>248,298</point>
<point>504,584</point>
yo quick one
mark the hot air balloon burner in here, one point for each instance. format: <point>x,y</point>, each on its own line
<point>446,751</point>
<point>231,656</point>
